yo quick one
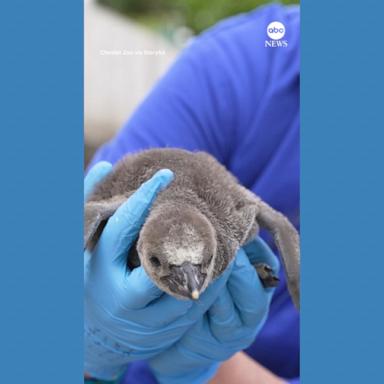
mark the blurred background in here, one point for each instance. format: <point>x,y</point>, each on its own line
<point>129,44</point>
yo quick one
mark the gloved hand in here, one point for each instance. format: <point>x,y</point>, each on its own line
<point>126,316</point>
<point>230,325</point>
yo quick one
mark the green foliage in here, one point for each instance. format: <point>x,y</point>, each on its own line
<point>195,14</point>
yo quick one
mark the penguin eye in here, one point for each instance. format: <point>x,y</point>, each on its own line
<point>155,261</point>
<point>207,260</point>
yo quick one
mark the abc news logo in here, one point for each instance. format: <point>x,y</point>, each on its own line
<point>276,32</point>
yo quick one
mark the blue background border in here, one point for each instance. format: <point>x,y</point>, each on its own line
<point>342,192</point>
<point>41,157</point>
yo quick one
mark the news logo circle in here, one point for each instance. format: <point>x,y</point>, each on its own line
<point>276,30</point>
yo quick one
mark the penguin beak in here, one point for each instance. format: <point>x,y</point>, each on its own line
<point>186,280</point>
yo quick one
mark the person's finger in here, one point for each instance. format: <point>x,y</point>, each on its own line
<point>223,316</point>
<point>124,225</point>
<point>258,251</point>
<point>140,289</point>
<point>210,294</point>
<point>166,310</point>
<point>95,175</point>
<point>247,292</point>
<point>185,311</point>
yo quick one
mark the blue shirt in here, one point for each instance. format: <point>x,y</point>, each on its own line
<point>231,95</point>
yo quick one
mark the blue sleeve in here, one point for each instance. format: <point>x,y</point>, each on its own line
<point>229,95</point>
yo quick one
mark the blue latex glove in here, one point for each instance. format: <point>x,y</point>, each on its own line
<point>126,316</point>
<point>230,325</point>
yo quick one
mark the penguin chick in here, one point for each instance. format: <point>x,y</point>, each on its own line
<point>195,226</point>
